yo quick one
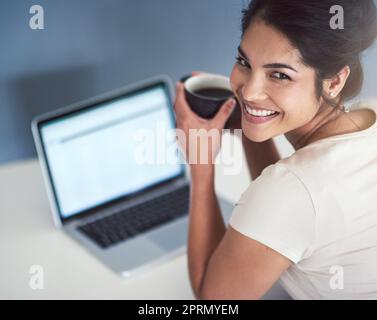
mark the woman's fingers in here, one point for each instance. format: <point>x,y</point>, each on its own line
<point>224,113</point>
<point>196,73</point>
<point>181,106</point>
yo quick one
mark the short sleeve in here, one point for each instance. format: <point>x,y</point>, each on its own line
<point>277,211</point>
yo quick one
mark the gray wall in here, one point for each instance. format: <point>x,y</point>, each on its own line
<point>92,46</point>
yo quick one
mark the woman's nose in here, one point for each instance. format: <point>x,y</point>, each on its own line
<point>254,90</point>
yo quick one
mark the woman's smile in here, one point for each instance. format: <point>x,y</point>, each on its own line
<point>258,116</point>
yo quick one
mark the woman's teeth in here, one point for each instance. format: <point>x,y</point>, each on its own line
<point>259,113</point>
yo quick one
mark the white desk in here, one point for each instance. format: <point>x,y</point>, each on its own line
<point>28,237</point>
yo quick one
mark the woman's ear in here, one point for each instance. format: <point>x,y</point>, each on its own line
<point>332,87</point>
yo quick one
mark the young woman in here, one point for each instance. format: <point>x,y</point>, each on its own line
<point>310,219</point>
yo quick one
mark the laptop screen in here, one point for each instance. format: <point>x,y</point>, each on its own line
<point>111,150</point>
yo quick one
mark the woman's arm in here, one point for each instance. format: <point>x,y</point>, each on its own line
<point>206,226</point>
<point>259,155</point>
<point>223,263</point>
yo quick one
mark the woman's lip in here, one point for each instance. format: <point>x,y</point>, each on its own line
<point>257,120</point>
<point>258,108</point>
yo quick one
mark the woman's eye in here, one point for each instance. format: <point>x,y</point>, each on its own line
<point>280,76</point>
<point>242,62</point>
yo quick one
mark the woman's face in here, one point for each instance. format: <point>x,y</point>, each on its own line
<point>269,75</point>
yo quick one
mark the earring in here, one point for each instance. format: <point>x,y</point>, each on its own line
<point>332,94</point>
<point>346,109</point>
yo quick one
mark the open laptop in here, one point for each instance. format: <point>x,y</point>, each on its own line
<point>104,191</point>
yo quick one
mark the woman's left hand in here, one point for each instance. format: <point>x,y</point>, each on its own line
<point>188,125</point>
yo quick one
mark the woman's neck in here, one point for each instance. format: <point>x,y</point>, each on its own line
<point>318,128</point>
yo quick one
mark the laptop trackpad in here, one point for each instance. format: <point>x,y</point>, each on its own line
<point>175,234</point>
<point>171,236</point>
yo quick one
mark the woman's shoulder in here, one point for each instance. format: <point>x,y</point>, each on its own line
<point>311,161</point>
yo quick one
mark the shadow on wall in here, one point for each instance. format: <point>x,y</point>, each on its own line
<point>42,92</point>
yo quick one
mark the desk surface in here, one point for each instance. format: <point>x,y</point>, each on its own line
<point>28,237</point>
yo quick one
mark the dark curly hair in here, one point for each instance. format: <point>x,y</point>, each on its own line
<point>306,23</point>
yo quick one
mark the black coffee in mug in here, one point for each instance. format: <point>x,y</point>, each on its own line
<point>214,93</point>
<point>206,93</point>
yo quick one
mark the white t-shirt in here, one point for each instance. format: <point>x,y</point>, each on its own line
<point>318,207</point>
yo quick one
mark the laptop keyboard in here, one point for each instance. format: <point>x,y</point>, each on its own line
<point>132,221</point>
